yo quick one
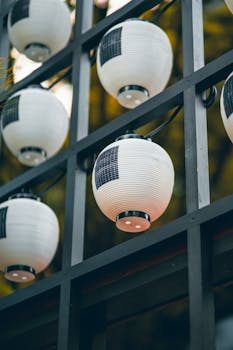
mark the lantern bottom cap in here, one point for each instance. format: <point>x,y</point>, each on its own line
<point>131,96</point>
<point>133,221</point>
<point>20,273</point>
<point>37,52</point>
<point>31,156</point>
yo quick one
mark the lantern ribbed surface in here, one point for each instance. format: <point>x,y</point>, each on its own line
<point>229,4</point>
<point>134,61</point>
<point>29,233</point>
<point>39,28</point>
<point>136,176</point>
<point>226,106</point>
<point>34,125</point>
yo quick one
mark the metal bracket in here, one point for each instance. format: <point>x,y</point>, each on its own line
<point>87,164</point>
<point>92,56</point>
<point>209,100</point>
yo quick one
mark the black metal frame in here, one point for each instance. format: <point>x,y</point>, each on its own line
<point>82,289</point>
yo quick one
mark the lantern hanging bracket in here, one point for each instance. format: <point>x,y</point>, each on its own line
<point>63,76</point>
<point>209,100</point>
<point>92,56</point>
<point>160,11</point>
<point>25,189</point>
<point>163,125</point>
<point>87,164</point>
<point>52,184</point>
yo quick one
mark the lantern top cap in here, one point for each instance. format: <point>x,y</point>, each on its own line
<point>25,195</point>
<point>35,86</point>
<point>136,19</point>
<point>133,136</point>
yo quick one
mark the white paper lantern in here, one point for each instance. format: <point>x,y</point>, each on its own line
<point>229,3</point>
<point>29,234</point>
<point>132,182</point>
<point>23,66</point>
<point>34,125</point>
<point>39,28</point>
<point>134,61</point>
<point>226,106</point>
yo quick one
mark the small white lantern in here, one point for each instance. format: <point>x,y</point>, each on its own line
<point>39,28</point>
<point>132,182</point>
<point>134,61</point>
<point>229,4</point>
<point>226,106</point>
<point>29,233</point>
<point>34,125</point>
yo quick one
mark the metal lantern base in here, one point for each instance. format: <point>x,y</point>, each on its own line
<point>37,52</point>
<point>19,273</point>
<point>32,156</point>
<point>131,96</point>
<point>133,221</point>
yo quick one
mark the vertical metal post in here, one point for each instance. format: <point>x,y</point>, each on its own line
<point>73,244</point>
<point>64,316</point>
<point>201,303</point>
<point>76,178</point>
<point>196,142</point>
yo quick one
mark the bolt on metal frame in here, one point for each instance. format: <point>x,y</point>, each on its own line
<point>73,317</point>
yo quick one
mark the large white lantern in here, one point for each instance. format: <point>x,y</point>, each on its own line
<point>229,3</point>
<point>29,233</point>
<point>39,28</point>
<point>34,125</point>
<point>226,106</point>
<point>134,61</point>
<point>132,182</point>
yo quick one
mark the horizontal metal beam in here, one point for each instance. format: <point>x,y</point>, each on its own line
<point>160,104</point>
<point>159,285</point>
<point>7,4</point>
<point>125,250</point>
<point>36,175</point>
<point>213,72</point>
<point>136,280</point>
<point>136,291</point>
<point>154,295</point>
<point>64,57</point>
<point>151,278</point>
<point>52,66</point>
<point>157,294</point>
<point>152,238</point>
<point>209,75</point>
<point>34,290</point>
<point>157,105</point>
<point>134,8</point>
<point>28,325</point>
